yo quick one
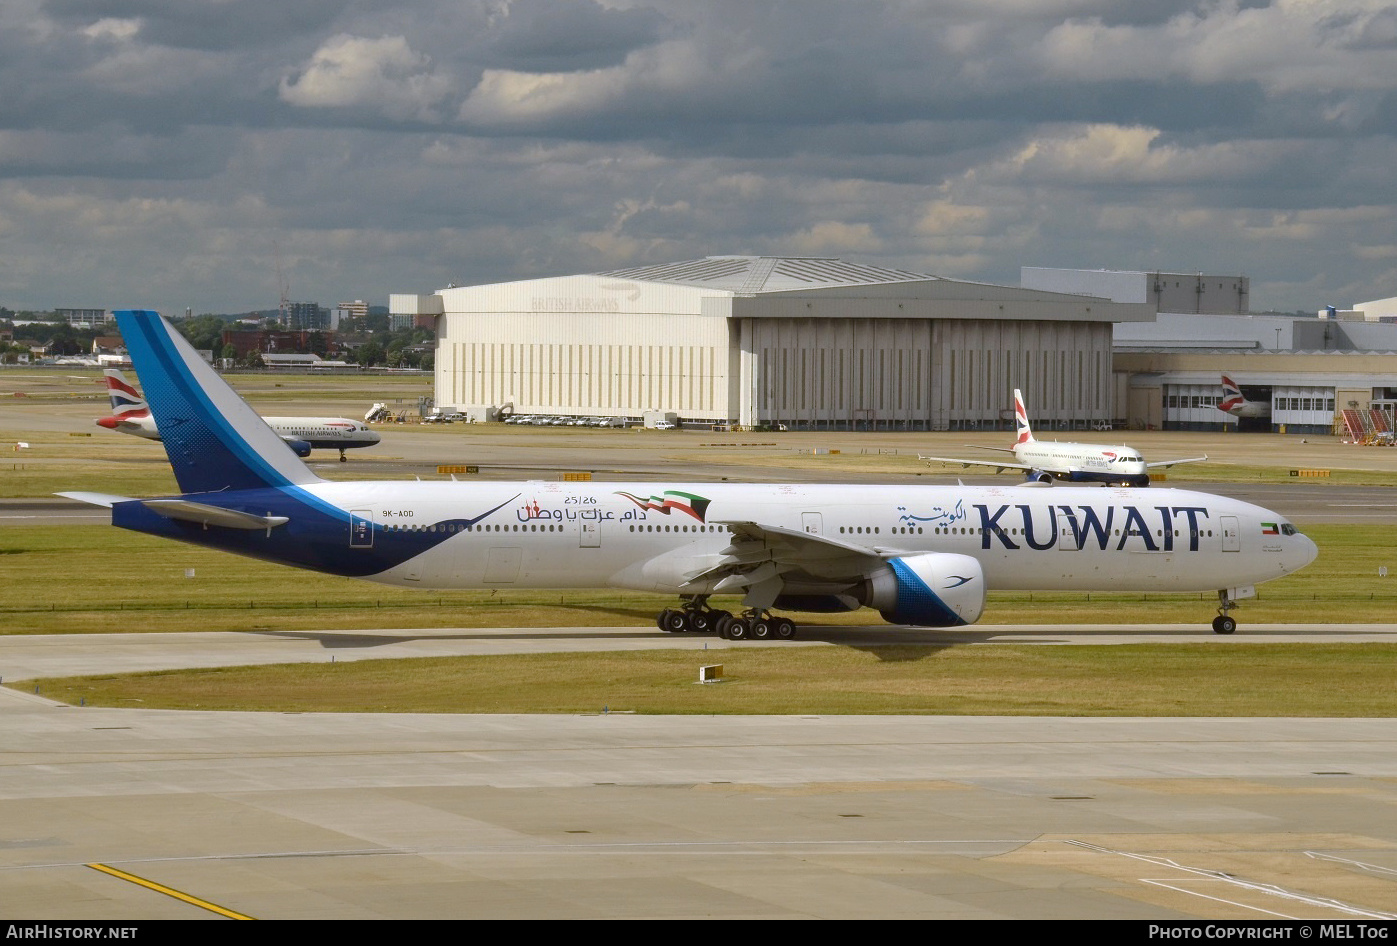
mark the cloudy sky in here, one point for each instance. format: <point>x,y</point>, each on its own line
<point>174,153</point>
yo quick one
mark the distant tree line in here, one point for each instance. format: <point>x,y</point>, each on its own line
<point>367,341</point>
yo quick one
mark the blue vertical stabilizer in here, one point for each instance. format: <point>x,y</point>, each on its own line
<point>214,440</point>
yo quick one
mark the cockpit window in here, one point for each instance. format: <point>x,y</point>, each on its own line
<point>1288,529</point>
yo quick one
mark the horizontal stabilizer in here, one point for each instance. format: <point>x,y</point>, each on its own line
<point>95,499</point>
<point>207,515</point>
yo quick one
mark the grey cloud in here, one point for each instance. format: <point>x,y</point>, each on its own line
<point>570,35</point>
<point>207,24</point>
<point>396,146</point>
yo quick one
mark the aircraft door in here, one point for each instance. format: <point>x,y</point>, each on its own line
<point>589,534</point>
<point>1067,534</point>
<point>502,565</point>
<point>361,528</point>
<point>812,523</point>
<point>1231,534</point>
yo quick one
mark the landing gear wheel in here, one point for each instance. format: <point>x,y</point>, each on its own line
<point>676,622</point>
<point>701,622</point>
<point>1225,623</point>
<point>762,629</point>
<point>785,629</point>
<point>738,630</point>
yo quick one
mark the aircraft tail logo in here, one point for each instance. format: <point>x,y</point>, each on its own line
<point>1025,432</point>
<point>127,402</point>
<point>1232,398</point>
<point>214,440</point>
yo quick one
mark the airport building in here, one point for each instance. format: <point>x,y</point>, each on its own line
<point>1334,373</point>
<point>757,341</point>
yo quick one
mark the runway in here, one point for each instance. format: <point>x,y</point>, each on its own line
<point>353,816</point>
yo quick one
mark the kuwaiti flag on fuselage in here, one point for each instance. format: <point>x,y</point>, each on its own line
<point>214,440</point>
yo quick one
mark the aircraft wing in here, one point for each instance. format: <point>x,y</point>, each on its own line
<point>1164,463</point>
<point>761,559</point>
<point>999,465</point>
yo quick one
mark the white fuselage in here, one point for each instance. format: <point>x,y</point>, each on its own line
<point>1246,408</point>
<point>1072,460</point>
<point>561,535</point>
<point>320,432</point>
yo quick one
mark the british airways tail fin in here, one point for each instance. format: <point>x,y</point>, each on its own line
<point>1232,399</point>
<point>214,440</point>
<point>1024,432</point>
<point>126,400</point>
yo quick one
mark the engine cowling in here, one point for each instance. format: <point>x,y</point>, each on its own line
<point>301,448</point>
<point>935,589</point>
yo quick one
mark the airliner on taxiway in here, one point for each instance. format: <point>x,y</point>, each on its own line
<point>131,415</point>
<point>920,555</point>
<point>1046,460</point>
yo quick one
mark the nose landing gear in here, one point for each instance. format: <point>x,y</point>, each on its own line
<point>1224,623</point>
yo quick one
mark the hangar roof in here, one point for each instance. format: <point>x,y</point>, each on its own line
<point>753,274</point>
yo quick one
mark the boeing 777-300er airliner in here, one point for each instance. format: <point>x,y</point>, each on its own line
<point>131,415</point>
<point>920,555</point>
<point>1046,460</point>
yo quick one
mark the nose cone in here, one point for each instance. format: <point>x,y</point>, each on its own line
<point>1305,551</point>
<point>371,436</point>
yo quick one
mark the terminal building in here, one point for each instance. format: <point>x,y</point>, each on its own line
<point>1335,372</point>
<point>757,341</point>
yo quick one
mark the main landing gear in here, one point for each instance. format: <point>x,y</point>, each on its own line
<point>696,617</point>
<point>758,625</point>
<point>1224,623</point>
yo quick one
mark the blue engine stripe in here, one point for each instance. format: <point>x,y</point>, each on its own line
<point>917,604</point>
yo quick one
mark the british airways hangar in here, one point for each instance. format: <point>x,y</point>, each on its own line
<point>756,340</point>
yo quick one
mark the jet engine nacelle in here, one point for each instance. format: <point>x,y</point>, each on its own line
<point>300,446</point>
<point>1038,476</point>
<point>935,589</point>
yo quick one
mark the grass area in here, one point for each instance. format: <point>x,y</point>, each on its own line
<point>1123,680</point>
<point>132,581</point>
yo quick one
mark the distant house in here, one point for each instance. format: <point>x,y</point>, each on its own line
<point>110,351</point>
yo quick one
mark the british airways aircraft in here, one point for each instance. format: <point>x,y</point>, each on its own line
<point>1234,402</point>
<point>1046,460</point>
<point>131,415</point>
<point>920,555</point>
